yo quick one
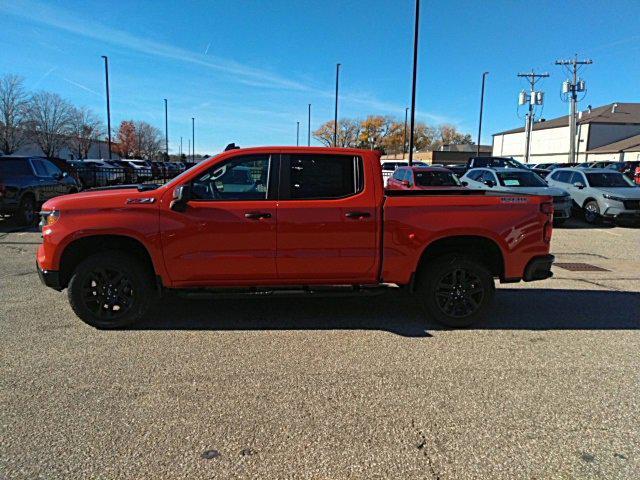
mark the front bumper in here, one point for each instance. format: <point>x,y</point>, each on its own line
<point>50,278</point>
<point>538,268</point>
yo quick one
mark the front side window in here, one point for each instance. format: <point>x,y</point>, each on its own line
<point>324,176</point>
<point>51,168</point>
<point>575,177</point>
<point>39,167</point>
<point>244,178</point>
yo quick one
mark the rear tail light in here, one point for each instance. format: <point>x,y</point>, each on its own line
<point>548,230</point>
<point>547,207</point>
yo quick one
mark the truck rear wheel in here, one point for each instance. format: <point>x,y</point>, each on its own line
<point>110,290</point>
<point>455,290</point>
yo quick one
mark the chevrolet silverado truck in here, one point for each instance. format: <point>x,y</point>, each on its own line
<point>279,220</point>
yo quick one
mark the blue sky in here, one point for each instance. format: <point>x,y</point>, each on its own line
<point>247,69</point>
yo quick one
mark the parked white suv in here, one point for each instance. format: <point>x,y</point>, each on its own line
<point>599,193</point>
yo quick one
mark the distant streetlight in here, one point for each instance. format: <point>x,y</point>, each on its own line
<point>335,117</point>
<point>297,134</point>
<point>413,86</point>
<point>166,128</point>
<point>193,139</point>
<point>484,75</point>
<point>309,127</point>
<point>106,75</point>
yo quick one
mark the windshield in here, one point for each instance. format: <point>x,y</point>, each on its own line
<point>613,179</point>
<point>436,179</point>
<point>496,162</point>
<point>520,179</point>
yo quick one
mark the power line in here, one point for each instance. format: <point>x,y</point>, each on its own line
<point>572,87</point>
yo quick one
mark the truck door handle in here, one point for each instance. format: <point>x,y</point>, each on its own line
<point>357,214</point>
<point>257,215</point>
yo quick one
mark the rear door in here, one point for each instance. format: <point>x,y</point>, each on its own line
<point>326,220</point>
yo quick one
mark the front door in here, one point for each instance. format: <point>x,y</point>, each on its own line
<point>326,220</point>
<point>228,232</point>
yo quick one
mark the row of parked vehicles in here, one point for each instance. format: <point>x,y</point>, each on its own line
<point>28,182</point>
<point>597,191</point>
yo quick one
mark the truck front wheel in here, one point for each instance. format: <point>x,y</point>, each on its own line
<point>455,290</point>
<point>110,290</point>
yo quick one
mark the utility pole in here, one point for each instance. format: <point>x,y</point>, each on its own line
<point>297,134</point>
<point>193,139</point>
<point>484,75</point>
<point>166,129</point>
<point>413,86</point>
<point>106,75</point>
<point>404,135</point>
<point>309,127</point>
<point>180,147</point>
<point>571,88</point>
<point>533,98</point>
<point>335,117</point>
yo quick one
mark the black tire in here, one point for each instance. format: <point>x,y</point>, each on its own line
<point>455,290</point>
<point>26,213</point>
<point>591,212</point>
<point>110,290</point>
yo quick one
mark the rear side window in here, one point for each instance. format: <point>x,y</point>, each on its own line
<point>14,167</point>
<point>474,175</point>
<point>40,168</point>
<point>323,176</point>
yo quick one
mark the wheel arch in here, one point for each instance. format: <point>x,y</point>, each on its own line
<point>484,249</point>
<point>81,248</point>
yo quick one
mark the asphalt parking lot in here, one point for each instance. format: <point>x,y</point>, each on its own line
<point>548,387</point>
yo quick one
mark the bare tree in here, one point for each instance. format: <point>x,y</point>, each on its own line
<point>86,128</point>
<point>13,102</point>
<point>49,119</point>
<point>348,133</point>
<point>149,140</point>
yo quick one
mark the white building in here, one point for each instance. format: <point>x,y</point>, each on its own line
<point>610,132</point>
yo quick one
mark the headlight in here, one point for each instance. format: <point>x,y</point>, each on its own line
<point>612,197</point>
<point>48,217</point>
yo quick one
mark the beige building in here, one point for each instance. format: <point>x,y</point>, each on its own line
<point>609,132</point>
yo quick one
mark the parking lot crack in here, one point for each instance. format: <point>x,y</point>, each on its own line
<point>423,444</point>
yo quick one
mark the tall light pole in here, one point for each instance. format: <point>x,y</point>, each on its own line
<point>335,116</point>
<point>193,139</point>
<point>309,126</point>
<point>106,75</point>
<point>297,134</point>
<point>166,130</point>
<point>404,136</point>
<point>413,86</point>
<point>484,75</point>
<point>180,147</point>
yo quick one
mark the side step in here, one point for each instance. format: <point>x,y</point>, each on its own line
<point>287,291</point>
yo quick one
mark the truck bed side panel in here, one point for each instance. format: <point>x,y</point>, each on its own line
<point>412,223</point>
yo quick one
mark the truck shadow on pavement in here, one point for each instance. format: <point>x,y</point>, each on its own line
<point>514,309</point>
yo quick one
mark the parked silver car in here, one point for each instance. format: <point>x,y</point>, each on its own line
<point>519,181</point>
<point>599,192</point>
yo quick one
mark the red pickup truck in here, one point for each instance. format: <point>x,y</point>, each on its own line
<point>277,219</point>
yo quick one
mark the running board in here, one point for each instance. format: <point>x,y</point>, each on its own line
<point>286,291</point>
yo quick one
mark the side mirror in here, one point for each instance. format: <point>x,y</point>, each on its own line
<point>181,197</point>
<point>579,185</point>
<point>465,183</point>
<point>405,183</point>
<point>58,176</point>
<point>490,183</point>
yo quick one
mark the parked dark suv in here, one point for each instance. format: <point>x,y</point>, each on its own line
<point>28,182</point>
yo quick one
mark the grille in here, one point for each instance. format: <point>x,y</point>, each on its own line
<point>581,267</point>
<point>632,204</point>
